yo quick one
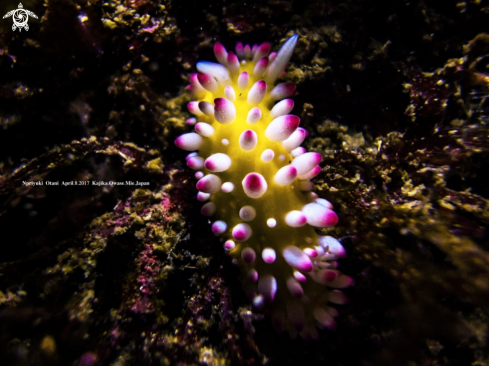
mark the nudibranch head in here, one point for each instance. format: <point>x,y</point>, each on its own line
<point>255,177</point>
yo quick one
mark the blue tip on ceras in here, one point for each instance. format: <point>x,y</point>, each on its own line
<point>281,60</point>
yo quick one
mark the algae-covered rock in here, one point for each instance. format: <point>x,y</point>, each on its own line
<point>105,258</point>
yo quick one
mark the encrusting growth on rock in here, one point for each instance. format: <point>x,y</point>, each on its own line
<point>255,177</point>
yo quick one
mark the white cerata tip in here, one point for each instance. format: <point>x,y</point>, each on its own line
<point>254,115</point>
<point>257,93</point>
<point>227,187</point>
<point>229,245</point>
<point>204,129</point>
<point>285,175</point>
<point>332,245</point>
<point>220,53</point>
<point>254,185</point>
<point>195,162</point>
<point>281,91</point>
<point>240,50</point>
<point>295,218</point>
<point>298,151</point>
<point>267,155</point>
<point>233,63</point>
<point>243,80</point>
<point>230,93</point>
<point>282,108</point>
<point>220,72</point>
<point>248,140</point>
<point>242,232</point>
<point>202,196</point>
<point>282,127</point>
<point>281,59</point>
<point>224,111</point>
<point>208,82</point>
<point>191,121</point>
<point>207,108</point>
<point>305,162</point>
<point>217,163</point>
<point>189,141</point>
<point>268,255</point>
<point>297,259</point>
<point>219,227</point>
<point>262,51</point>
<point>260,68</point>
<point>209,184</point>
<point>310,174</point>
<point>319,216</point>
<point>296,139</point>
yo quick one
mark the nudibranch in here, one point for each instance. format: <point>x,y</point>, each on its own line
<point>254,178</point>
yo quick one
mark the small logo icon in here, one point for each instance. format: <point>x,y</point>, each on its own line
<point>20,17</point>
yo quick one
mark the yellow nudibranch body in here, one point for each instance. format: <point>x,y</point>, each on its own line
<point>254,178</point>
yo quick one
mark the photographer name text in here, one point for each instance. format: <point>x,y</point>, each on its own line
<point>86,183</point>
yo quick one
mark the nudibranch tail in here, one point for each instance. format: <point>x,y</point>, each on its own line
<point>254,178</point>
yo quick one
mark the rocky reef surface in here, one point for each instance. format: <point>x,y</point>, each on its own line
<point>114,265</point>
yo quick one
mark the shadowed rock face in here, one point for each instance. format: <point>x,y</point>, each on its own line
<point>124,270</point>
